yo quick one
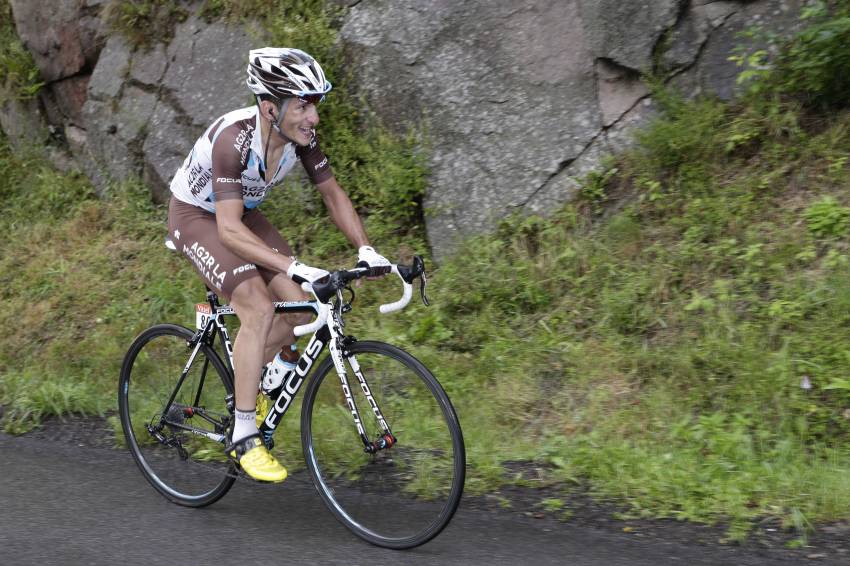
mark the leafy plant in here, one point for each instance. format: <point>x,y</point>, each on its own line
<point>814,63</point>
<point>19,76</point>
<point>594,185</point>
<point>810,66</point>
<point>826,218</point>
<point>144,22</point>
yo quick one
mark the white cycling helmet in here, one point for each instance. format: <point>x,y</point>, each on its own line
<point>282,72</point>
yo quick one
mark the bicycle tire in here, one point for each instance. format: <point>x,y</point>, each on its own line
<point>400,497</point>
<point>179,460</point>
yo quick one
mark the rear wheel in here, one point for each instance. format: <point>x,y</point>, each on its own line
<point>397,497</point>
<point>178,447</point>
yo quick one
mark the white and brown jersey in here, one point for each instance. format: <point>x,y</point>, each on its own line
<point>227,163</point>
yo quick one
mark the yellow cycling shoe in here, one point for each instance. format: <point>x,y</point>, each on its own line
<point>256,460</point>
<point>263,406</point>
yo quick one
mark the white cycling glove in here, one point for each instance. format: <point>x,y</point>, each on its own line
<point>301,273</point>
<point>377,264</point>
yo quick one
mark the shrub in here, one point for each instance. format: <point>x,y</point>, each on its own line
<point>811,66</point>
<point>19,77</point>
<point>826,218</point>
<point>143,22</point>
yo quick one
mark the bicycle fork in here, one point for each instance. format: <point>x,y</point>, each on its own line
<point>386,439</point>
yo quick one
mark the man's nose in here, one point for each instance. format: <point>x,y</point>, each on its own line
<point>313,115</point>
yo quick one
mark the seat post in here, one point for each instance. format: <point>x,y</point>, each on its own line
<point>212,299</point>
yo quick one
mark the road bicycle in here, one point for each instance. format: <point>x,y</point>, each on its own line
<point>393,473</point>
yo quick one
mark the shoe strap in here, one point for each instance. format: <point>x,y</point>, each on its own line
<point>244,445</point>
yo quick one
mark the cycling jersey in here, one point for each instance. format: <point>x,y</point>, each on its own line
<point>227,163</point>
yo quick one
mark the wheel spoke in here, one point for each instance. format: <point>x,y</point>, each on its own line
<point>400,495</point>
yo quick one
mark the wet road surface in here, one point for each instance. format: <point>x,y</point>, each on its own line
<point>65,504</point>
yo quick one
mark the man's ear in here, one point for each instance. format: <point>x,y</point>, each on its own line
<point>267,109</point>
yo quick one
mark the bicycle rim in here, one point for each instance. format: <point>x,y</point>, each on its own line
<point>402,496</point>
<point>169,445</point>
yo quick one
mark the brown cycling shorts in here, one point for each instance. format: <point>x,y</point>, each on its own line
<point>195,233</point>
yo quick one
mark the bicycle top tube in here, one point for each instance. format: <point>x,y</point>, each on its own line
<point>279,306</point>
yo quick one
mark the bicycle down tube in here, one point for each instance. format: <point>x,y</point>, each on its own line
<point>314,349</point>
<point>214,324</point>
<point>294,381</point>
<point>321,338</point>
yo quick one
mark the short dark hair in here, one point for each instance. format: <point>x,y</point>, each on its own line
<point>269,98</point>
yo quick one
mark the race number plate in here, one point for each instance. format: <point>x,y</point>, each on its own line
<point>202,315</point>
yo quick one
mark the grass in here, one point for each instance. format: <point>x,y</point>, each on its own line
<point>676,340</point>
<point>19,77</point>
<point>72,289</point>
<point>136,20</point>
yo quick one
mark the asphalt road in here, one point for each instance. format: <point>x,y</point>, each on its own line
<point>65,504</point>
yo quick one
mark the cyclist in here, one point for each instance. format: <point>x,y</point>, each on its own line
<point>213,219</point>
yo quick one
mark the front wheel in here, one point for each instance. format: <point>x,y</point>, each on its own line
<point>399,496</point>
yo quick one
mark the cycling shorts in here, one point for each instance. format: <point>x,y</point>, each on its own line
<point>195,233</point>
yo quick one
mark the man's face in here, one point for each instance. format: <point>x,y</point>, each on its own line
<point>298,122</point>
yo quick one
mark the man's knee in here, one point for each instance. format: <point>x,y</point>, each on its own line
<point>297,318</point>
<point>253,304</point>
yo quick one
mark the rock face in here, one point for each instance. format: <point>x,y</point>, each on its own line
<point>147,107</point>
<point>712,71</point>
<point>520,98</point>
<point>64,38</point>
<point>23,122</point>
<point>124,112</point>
<point>509,92</point>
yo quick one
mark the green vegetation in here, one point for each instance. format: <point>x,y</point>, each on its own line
<point>684,352</point>
<point>19,77</point>
<point>812,66</point>
<point>72,288</point>
<point>144,22</point>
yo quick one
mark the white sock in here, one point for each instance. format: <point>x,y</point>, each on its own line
<point>245,425</point>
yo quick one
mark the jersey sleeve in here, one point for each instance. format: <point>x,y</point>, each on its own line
<point>230,152</point>
<point>315,161</point>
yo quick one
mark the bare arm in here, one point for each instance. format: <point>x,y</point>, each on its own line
<point>342,212</point>
<point>240,240</point>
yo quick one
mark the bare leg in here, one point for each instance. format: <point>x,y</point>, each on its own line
<point>284,289</point>
<point>253,305</point>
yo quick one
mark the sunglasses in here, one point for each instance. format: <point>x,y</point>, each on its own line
<point>314,99</point>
